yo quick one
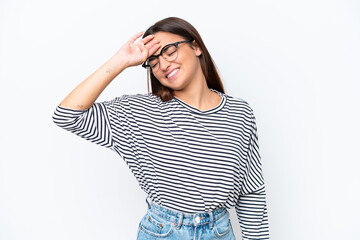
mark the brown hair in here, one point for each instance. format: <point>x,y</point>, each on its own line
<point>183,28</point>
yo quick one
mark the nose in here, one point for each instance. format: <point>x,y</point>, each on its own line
<point>163,63</point>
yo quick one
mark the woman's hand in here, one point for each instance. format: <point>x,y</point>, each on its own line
<point>132,54</point>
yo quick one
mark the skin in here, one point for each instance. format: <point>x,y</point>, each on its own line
<point>189,85</point>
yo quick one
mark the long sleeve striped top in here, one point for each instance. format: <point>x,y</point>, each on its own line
<point>183,158</point>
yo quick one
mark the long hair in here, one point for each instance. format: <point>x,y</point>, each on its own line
<point>183,28</point>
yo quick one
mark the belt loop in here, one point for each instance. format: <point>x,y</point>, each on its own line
<point>179,222</point>
<point>149,206</point>
<point>211,219</point>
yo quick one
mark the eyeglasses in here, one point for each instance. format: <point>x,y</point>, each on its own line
<point>169,53</point>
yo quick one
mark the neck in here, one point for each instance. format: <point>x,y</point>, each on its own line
<point>198,95</point>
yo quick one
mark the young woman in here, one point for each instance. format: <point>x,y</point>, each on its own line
<point>193,148</point>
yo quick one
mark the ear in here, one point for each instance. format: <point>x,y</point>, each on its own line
<point>196,48</point>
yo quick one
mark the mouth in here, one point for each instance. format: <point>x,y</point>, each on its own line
<point>173,74</point>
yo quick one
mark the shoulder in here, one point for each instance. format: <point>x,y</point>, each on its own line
<point>138,104</point>
<point>239,105</point>
<point>137,99</point>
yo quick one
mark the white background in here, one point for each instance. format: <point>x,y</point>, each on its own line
<point>296,63</point>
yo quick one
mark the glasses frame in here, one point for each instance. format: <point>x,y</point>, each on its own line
<point>144,65</point>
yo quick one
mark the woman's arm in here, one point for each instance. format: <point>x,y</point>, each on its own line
<point>251,210</point>
<point>251,206</point>
<point>130,54</point>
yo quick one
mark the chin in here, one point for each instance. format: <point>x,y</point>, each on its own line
<point>173,85</point>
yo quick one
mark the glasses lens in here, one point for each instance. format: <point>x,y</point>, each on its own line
<point>153,62</point>
<point>170,53</point>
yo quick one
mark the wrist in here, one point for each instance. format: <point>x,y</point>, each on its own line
<point>117,64</point>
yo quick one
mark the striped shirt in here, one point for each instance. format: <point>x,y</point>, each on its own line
<point>184,158</point>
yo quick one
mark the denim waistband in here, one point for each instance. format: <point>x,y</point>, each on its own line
<point>191,219</point>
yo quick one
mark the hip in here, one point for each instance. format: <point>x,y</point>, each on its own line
<point>163,223</point>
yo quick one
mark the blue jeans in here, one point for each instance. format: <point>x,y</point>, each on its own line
<point>164,223</point>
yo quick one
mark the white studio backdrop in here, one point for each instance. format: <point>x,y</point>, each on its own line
<point>296,63</point>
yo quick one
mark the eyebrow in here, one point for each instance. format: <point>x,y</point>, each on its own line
<point>161,47</point>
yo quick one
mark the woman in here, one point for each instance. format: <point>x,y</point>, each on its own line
<point>193,148</point>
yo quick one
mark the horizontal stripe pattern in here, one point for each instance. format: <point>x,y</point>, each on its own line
<point>252,213</point>
<point>183,158</point>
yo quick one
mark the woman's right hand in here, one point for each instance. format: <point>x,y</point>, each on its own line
<point>133,54</point>
<point>130,54</point>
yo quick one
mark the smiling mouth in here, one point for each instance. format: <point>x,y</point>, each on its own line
<point>172,73</point>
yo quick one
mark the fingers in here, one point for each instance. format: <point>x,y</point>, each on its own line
<point>151,43</point>
<point>148,45</point>
<point>147,39</point>
<point>149,50</point>
<point>136,36</point>
<point>144,40</point>
<point>142,47</point>
<point>154,48</point>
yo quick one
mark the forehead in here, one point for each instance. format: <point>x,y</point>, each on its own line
<point>166,38</point>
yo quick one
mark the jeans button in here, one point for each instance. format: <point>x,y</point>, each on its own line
<point>197,219</point>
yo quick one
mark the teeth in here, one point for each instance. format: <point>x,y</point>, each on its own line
<point>172,73</point>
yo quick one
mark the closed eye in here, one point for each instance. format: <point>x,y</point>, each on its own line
<point>171,53</point>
